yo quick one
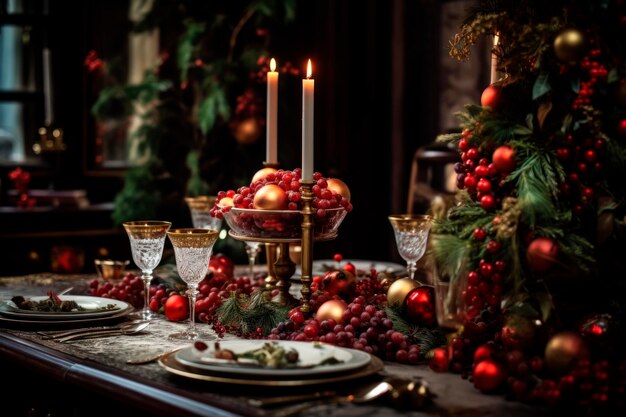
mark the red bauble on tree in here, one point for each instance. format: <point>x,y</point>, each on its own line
<point>541,254</point>
<point>504,159</point>
<point>489,375</point>
<point>491,96</point>
<point>420,306</point>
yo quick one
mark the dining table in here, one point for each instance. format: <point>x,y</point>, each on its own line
<point>91,377</point>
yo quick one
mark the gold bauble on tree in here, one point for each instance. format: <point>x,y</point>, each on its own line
<point>400,289</point>
<point>569,46</point>
<point>563,350</point>
<point>270,197</point>
<point>339,187</point>
<point>262,173</point>
<point>331,309</point>
<point>247,131</point>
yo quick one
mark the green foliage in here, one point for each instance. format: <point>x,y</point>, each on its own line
<point>139,197</point>
<point>427,339</point>
<point>248,313</point>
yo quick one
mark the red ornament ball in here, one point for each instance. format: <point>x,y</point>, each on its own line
<point>176,308</point>
<point>439,362</point>
<point>504,159</point>
<point>541,254</point>
<point>487,202</point>
<point>489,375</point>
<point>339,282</point>
<point>420,306</point>
<point>483,352</point>
<point>491,96</point>
<point>222,264</point>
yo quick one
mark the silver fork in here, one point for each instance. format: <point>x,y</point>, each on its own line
<point>56,334</point>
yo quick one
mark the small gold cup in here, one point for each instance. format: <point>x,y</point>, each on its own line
<point>109,269</point>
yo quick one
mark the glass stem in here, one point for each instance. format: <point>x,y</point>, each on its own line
<point>411,267</point>
<point>146,276</point>
<point>193,292</point>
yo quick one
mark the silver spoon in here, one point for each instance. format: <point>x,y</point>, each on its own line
<point>137,328</point>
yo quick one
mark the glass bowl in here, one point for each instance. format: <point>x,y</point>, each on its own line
<point>281,224</point>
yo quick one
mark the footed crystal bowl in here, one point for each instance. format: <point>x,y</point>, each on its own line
<point>281,224</point>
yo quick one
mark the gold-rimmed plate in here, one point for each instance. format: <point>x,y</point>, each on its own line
<point>62,323</point>
<point>92,307</point>
<point>313,358</point>
<point>171,365</point>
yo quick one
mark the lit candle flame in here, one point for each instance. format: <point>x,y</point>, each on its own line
<point>309,71</point>
<point>496,39</point>
<point>272,65</point>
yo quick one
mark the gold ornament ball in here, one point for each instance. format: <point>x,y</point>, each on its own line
<point>339,187</point>
<point>226,202</point>
<point>563,350</point>
<point>569,45</point>
<point>270,197</point>
<point>331,309</point>
<point>262,173</point>
<point>400,289</point>
<point>248,131</point>
<point>386,279</point>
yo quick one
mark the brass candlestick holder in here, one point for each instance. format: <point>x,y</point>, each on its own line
<point>271,248</point>
<point>307,245</point>
<point>50,140</point>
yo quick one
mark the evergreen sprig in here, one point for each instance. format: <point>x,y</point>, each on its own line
<point>249,313</point>
<point>427,339</point>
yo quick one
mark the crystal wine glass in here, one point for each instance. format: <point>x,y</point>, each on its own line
<point>147,238</point>
<point>252,249</point>
<point>199,208</point>
<point>192,248</point>
<point>411,232</point>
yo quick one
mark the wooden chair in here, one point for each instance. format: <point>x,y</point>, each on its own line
<point>432,177</point>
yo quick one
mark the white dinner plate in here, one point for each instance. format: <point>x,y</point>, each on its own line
<point>95,307</point>
<point>310,354</point>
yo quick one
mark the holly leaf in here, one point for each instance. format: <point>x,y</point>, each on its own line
<point>575,85</point>
<point>541,86</point>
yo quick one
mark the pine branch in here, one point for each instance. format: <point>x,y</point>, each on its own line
<point>535,186</point>
<point>425,338</point>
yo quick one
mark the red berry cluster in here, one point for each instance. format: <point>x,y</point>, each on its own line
<point>323,197</point>
<point>478,174</point>
<point>597,72</point>
<point>581,156</point>
<point>129,289</point>
<point>362,326</point>
<point>249,104</point>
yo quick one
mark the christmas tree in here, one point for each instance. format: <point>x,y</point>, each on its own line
<point>534,249</point>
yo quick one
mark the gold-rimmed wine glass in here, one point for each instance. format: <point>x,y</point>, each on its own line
<point>192,249</point>
<point>411,233</point>
<point>147,238</point>
<point>200,208</point>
